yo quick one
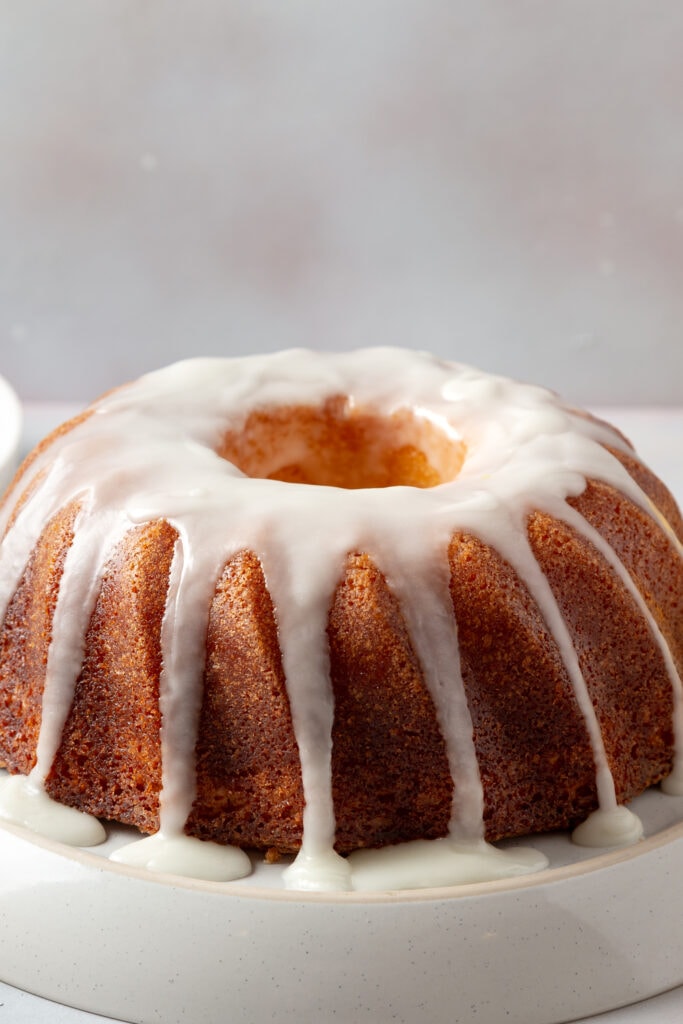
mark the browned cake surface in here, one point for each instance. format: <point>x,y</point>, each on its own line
<point>110,758</point>
<point>390,774</point>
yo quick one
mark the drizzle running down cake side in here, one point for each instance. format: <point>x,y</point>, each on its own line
<point>317,604</point>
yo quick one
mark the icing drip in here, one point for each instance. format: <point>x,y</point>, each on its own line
<point>302,628</point>
<point>514,449</point>
<point>428,612</point>
<point>673,783</point>
<point>25,803</point>
<point>609,826</point>
<point>423,864</point>
<point>94,538</point>
<point>182,641</point>
<point>178,854</point>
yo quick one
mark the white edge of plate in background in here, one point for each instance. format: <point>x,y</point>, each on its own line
<point>11,428</point>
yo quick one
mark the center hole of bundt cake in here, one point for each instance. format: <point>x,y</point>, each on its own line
<point>339,445</point>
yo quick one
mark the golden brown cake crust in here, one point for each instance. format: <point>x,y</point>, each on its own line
<point>390,774</point>
<point>246,745</point>
<point>533,750</point>
<point>24,644</point>
<point>109,757</point>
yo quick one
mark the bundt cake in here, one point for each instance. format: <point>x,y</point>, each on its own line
<point>333,603</point>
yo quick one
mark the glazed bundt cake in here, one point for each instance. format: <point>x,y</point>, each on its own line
<point>327,603</point>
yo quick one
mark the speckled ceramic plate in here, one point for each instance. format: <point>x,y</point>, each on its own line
<point>590,933</point>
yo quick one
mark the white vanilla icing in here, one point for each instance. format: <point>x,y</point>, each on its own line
<point>178,854</point>
<point>24,803</point>
<point>149,451</point>
<point>424,863</point>
<point>609,826</point>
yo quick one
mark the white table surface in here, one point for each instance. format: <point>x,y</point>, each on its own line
<point>658,437</point>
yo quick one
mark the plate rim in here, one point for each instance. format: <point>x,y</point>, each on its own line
<point>602,861</point>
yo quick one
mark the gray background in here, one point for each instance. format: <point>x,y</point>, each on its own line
<point>498,182</point>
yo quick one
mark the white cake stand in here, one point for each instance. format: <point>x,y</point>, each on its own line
<point>589,934</point>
